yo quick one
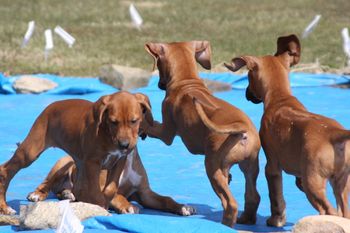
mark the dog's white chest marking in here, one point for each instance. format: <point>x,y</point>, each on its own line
<point>128,174</point>
<point>111,159</point>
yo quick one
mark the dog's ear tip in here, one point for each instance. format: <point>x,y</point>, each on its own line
<point>227,65</point>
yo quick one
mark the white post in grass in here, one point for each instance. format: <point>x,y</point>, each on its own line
<point>135,16</point>
<point>65,36</point>
<point>311,26</point>
<point>49,43</point>
<point>346,44</point>
<point>29,33</point>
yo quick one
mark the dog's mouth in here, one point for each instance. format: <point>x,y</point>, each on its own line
<point>251,97</point>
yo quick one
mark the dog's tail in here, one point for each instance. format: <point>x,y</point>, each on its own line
<point>340,135</point>
<point>234,128</point>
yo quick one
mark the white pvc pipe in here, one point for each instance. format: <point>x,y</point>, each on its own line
<point>29,33</point>
<point>65,35</point>
<point>135,16</point>
<point>311,26</point>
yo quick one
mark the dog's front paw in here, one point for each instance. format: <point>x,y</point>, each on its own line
<point>130,210</point>
<point>248,219</point>
<point>276,221</point>
<point>7,210</point>
<point>67,195</point>
<point>187,210</point>
<point>36,196</point>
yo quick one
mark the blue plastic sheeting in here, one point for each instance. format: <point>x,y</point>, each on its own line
<point>136,223</point>
<point>296,79</point>
<point>172,170</point>
<point>66,85</point>
<point>74,85</point>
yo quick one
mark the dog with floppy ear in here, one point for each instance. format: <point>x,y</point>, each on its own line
<point>309,146</point>
<point>207,125</point>
<point>128,182</point>
<point>96,135</point>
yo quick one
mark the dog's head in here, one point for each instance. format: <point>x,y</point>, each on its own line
<point>169,57</point>
<point>118,116</point>
<point>266,71</point>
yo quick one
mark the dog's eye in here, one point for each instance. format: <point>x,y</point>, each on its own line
<point>133,121</point>
<point>113,122</point>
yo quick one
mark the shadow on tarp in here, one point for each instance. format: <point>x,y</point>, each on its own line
<point>172,170</point>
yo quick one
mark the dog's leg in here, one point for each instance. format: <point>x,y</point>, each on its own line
<point>28,151</point>
<point>273,175</point>
<point>122,206</point>
<point>56,178</point>
<point>250,169</point>
<point>152,200</point>
<point>162,132</point>
<point>341,193</point>
<point>86,187</point>
<point>315,189</point>
<point>219,181</point>
<point>165,131</point>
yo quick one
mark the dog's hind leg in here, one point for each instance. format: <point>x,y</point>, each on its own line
<point>28,151</point>
<point>250,169</point>
<point>218,178</point>
<point>341,190</point>
<point>315,189</point>
<point>58,180</point>
<point>149,199</point>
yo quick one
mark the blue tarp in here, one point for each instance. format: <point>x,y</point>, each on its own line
<point>172,170</point>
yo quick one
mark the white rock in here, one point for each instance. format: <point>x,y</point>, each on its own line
<point>322,224</point>
<point>30,84</point>
<point>124,77</point>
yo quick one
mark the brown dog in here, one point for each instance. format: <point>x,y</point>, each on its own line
<point>130,182</point>
<point>206,124</point>
<point>311,147</point>
<point>94,134</point>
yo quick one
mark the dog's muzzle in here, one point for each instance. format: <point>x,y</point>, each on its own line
<point>251,97</point>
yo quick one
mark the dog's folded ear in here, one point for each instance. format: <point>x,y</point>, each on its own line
<point>289,45</point>
<point>146,107</point>
<point>238,62</point>
<point>202,53</point>
<point>156,50</point>
<point>99,108</point>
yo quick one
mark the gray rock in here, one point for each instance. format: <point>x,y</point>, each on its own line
<point>217,86</point>
<point>322,224</point>
<point>44,215</point>
<point>30,84</point>
<point>123,77</point>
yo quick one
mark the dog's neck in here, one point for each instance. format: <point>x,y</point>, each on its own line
<point>183,73</point>
<point>278,93</point>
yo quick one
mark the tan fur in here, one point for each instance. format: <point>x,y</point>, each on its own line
<point>116,182</point>
<point>87,131</point>
<point>207,125</point>
<point>312,147</point>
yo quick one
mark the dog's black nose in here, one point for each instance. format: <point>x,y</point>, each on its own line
<point>123,144</point>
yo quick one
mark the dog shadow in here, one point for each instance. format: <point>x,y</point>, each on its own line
<point>209,213</point>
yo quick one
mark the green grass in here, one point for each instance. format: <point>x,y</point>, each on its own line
<point>105,34</point>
